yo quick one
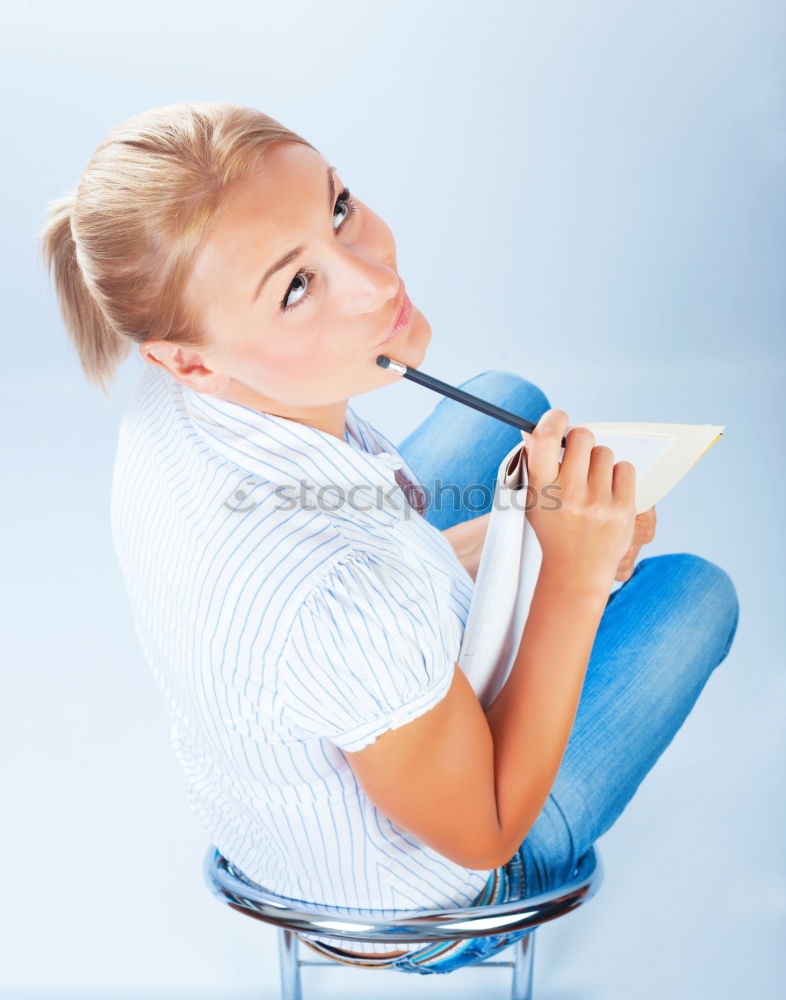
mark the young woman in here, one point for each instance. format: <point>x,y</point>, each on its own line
<point>300,585</point>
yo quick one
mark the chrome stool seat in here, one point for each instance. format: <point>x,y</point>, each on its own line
<point>229,885</point>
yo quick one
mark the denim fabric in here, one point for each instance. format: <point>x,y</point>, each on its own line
<point>662,634</point>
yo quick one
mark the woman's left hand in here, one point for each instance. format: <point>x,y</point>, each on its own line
<point>643,532</point>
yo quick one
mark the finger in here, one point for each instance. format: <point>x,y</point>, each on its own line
<point>633,554</point>
<point>601,467</point>
<point>579,443</point>
<point>623,483</point>
<point>625,568</point>
<point>644,530</point>
<point>544,446</point>
<point>640,531</point>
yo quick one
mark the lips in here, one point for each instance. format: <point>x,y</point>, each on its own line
<point>402,313</point>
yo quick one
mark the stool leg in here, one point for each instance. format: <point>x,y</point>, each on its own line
<point>522,969</point>
<point>288,964</point>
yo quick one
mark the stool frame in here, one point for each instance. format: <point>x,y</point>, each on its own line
<point>289,916</point>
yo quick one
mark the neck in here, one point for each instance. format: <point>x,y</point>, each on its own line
<point>330,417</point>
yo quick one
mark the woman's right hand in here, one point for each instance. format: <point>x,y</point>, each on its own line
<point>585,521</point>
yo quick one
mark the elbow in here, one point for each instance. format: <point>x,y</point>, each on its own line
<point>475,853</point>
<point>490,861</point>
<point>486,858</point>
<point>501,851</point>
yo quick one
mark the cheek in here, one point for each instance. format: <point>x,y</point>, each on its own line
<point>300,360</point>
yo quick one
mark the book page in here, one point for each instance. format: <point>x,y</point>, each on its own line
<point>640,449</point>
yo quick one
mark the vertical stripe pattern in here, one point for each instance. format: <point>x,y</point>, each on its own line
<point>283,625</point>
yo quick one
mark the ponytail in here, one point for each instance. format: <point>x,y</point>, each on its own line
<point>99,347</point>
<point>122,244</point>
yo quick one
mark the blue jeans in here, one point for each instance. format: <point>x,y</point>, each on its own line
<point>662,634</point>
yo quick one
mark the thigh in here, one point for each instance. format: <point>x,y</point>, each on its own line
<point>456,451</point>
<point>662,634</point>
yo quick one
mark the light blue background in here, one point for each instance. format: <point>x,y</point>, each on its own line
<point>591,195</point>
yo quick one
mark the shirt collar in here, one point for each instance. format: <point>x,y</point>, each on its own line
<point>289,453</point>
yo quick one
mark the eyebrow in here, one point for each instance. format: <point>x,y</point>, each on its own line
<point>297,251</point>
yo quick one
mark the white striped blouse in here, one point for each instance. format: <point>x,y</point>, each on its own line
<point>291,605</point>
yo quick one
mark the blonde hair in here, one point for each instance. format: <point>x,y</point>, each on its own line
<point>122,244</point>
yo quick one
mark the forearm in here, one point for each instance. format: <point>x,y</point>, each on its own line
<point>532,716</point>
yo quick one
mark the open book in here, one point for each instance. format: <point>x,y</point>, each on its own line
<point>510,562</point>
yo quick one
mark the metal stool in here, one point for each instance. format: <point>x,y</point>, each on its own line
<point>404,925</point>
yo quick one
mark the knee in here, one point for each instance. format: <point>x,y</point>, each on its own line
<point>511,391</point>
<point>708,583</point>
<point>707,576</point>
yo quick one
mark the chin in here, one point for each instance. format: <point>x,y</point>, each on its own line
<point>418,337</point>
<point>410,347</point>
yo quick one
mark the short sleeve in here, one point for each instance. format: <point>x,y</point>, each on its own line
<point>366,653</point>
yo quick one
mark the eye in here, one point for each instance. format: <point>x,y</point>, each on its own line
<point>344,200</point>
<point>302,280</point>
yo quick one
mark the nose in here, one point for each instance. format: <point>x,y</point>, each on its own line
<point>374,285</point>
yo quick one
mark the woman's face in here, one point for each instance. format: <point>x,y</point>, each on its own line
<point>297,333</point>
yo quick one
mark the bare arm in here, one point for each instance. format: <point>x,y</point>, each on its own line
<point>532,716</point>
<point>471,783</point>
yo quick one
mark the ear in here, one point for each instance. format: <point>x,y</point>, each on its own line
<point>186,365</point>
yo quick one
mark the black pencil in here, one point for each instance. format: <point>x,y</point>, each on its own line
<point>458,394</point>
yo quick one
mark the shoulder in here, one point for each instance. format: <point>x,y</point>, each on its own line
<point>366,597</point>
<point>366,650</point>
